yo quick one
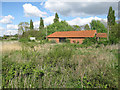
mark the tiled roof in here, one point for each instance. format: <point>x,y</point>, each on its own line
<point>104,35</point>
<point>86,33</point>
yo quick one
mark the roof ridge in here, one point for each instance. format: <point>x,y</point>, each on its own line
<point>75,31</point>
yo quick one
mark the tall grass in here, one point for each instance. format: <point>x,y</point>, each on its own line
<point>60,66</point>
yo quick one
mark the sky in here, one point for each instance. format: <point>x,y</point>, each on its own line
<point>74,12</point>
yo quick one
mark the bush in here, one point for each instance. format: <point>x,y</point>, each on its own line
<point>59,55</point>
<point>53,41</point>
<point>89,41</point>
<point>74,41</point>
<point>78,42</point>
<point>67,41</point>
<point>14,38</point>
<point>23,40</point>
<point>103,42</point>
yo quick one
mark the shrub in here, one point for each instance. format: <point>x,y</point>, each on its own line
<point>60,55</point>
<point>74,41</point>
<point>77,42</point>
<point>53,41</point>
<point>23,40</point>
<point>89,41</point>
<point>67,41</point>
<point>14,38</point>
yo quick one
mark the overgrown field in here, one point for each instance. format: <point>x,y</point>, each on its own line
<point>60,66</point>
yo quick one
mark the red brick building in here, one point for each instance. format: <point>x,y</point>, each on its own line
<point>73,36</point>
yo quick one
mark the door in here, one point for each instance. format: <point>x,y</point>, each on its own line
<point>62,39</point>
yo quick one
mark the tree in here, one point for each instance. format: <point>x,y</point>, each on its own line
<point>114,33</point>
<point>22,27</point>
<point>97,25</point>
<point>56,19</point>
<point>110,19</point>
<point>76,28</point>
<point>59,26</point>
<point>41,23</point>
<point>31,24</point>
<point>86,27</point>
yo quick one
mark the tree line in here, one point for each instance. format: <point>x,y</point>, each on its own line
<point>26,30</point>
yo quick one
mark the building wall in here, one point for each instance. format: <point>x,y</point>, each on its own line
<point>75,40</point>
<point>72,40</point>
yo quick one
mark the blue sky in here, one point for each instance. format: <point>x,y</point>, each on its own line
<point>75,13</point>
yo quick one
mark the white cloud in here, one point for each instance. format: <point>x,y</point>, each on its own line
<point>42,3</point>
<point>83,21</point>
<point>84,0</point>
<point>80,8</point>
<point>31,10</point>
<point>6,19</point>
<point>11,26</point>
<point>2,29</point>
<point>47,21</point>
<point>10,32</point>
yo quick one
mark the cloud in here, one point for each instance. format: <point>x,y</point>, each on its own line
<point>82,9</point>
<point>2,29</point>
<point>11,26</point>
<point>42,3</point>
<point>10,32</point>
<point>83,21</point>
<point>31,10</point>
<point>47,21</point>
<point>6,19</point>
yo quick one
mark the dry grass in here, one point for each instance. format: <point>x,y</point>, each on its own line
<point>10,46</point>
<point>89,61</point>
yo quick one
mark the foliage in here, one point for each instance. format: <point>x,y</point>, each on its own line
<point>97,25</point>
<point>56,19</point>
<point>89,41</point>
<point>114,34</point>
<point>23,40</point>
<point>67,40</point>
<point>76,28</point>
<point>86,27</point>
<point>60,67</point>
<point>59,26</point>
<point>41,23</point>
<point>22,27</point>
<point>111,16</point>
<point>52,41</point>
<point>33,33</point>
<point>31,25</point>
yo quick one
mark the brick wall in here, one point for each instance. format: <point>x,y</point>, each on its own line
<point>72,40</point>
<point>75,40</point>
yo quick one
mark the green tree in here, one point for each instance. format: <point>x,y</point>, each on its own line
<point>110,19</point>
<point>31,25</point>
<point>56,19</point>
<point>41,23</point>
<point>114,33</point>
<point>97,25</point>
<point>59,26</point>
<point>86,27</point>
<point>22,27</point>
<point>76,28</point>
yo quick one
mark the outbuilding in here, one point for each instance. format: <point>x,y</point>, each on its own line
<point>73,36</point>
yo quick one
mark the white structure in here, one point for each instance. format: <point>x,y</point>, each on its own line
<point>32,38</point>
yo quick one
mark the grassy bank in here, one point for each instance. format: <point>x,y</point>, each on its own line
<point>60,66</point>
